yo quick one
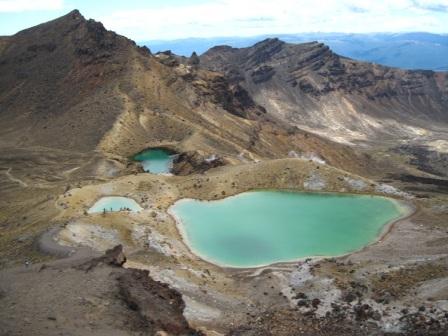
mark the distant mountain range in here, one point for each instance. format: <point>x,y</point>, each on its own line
<point>404,50</point>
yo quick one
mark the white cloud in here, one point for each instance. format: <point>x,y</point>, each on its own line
<point>434,5</point>
<point>246,17</point>
<point>431,2</point>
<point>29,5</point>
<point>253,17</point>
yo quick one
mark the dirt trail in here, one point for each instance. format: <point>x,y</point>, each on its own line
<point>69,255</point>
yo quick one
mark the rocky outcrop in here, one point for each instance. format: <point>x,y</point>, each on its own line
<point>160,308</point>
<point>428,160</point>
<point>233,98</point>
<point>229,95</point>
<point>262,74</point>
<point>112,257</point>
<point>264,51</point>
<point>194,59</point>
<point>195,162</point>
<point>168,58</point>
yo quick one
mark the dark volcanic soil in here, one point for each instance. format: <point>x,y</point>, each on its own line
<point>94,297</point>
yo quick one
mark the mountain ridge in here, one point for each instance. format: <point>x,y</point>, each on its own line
<point>414,50</point>
<point>298,82</point>
<point>92,89</point>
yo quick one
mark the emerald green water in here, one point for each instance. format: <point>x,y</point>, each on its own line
<point>156,161</point>
<point>264,227</point>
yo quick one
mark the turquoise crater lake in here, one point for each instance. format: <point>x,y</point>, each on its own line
<point>264,227</point>
<point>156,161</point>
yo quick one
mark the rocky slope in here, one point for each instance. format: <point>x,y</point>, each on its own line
<point>71,84</point>
<point>110,299</point>
<point>310,86</point>
<point>50,75</point>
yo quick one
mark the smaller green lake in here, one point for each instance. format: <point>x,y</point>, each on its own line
<point>115,203</point>
<point>264,227</point>
<point>156,161</point>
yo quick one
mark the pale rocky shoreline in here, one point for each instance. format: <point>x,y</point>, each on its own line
<point>212,291</point>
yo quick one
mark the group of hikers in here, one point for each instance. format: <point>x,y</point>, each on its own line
<point>121,209</point>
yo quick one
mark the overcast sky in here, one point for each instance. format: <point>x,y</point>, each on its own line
<point>171,19</point>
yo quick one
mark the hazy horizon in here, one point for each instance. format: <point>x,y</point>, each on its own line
<point>290,34</point>
<point>409,34</point>
<point>414,50</point>
<point>167,20</point>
